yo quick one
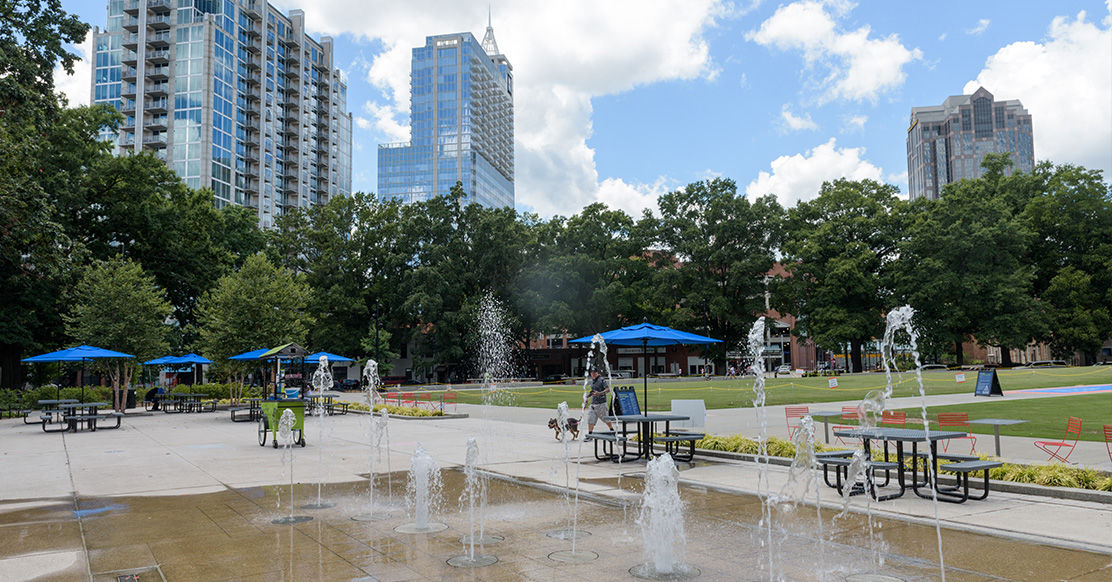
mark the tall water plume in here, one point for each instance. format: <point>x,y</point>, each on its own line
<point>756,343</point>
<point>322,381</point>
<point>473,495</point>
<point>423,493</point>
<point>662,524</point>
<point>285,440</point>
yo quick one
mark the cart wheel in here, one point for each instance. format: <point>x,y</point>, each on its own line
<point>262,431</point>
<point>301,433</point>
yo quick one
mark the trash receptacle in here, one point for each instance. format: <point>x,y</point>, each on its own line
<point>130,398</point>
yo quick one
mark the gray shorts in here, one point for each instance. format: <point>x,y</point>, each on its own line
<point>596,412</point>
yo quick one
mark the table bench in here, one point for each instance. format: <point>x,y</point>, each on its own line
<point>963,469</point>
<point>248,409</point>
<point>609,442</point>
<point>841,465</point>
<point>672,441</point>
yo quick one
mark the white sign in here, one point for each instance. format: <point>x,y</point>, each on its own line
<point>833,382</point>
<point>960,377</point>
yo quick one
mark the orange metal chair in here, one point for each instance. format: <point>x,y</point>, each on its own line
<point>1108,440</point>
<point>893,418</point>
<point>426,398</point>
<point>407,399</point>
<point>849,413</point>
<point>956,421</point>
<point>796,413</point>
<point>449,396</point>
<point>1073,426</point>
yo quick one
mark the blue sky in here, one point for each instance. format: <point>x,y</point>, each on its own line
<point>623,100</point>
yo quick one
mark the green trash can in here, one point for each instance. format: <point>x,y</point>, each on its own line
<point>271,411</point>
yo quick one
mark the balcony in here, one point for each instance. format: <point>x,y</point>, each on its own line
<point>293,57</point>
<point>154,141</point>
<point>128,89</point>
<point>159,6</point>
<point>128,73</point>
<point>157,122</point>
<point>129,58</point>
<point>131,23</point>
<point>159,39</point>
<point>156,106</point>
<point>251,9</point>
<point>131,7</point>
<point>159,73</point>
<point>158,90</point>
<point>161,22</point>
<point>159,56</point>
<point>131,41</point>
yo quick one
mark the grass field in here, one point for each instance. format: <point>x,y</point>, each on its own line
<point>739,393</point>
<point>1046,417</point>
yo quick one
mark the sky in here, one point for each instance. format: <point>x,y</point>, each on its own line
<point>620,101</point>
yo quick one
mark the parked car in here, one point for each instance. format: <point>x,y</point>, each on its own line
<point>554,379</point>
<point>620,375</point>
<point>393,380</point>
<point>784,369</point>
<point>349,384</point>
<point>934,367</point>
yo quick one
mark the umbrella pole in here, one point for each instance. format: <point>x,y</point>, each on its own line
<point>645,365</point>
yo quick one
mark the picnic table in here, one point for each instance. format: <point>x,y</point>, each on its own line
<point>929,487</point>
<point>49,407</point>
<point>646,424</point>
<point>996,424</point>
<point>74,413</point>
<point>327,401</point>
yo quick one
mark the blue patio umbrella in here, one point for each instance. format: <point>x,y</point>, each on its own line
<point>77,354</point>
<point>332,358</point>
<point>645,335</point>
<point>251,355</point>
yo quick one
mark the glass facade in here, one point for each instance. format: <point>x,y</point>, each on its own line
<point>461,125</point>
<point>232,95</point>
<point>948,143</point>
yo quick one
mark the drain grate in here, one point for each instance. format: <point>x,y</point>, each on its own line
<point>128,578</point>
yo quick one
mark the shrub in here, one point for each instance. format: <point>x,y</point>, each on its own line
<point>407,410</point>
<point>217,391</point>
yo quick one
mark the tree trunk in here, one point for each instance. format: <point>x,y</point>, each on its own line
<point>1005,357</point>
<point>10,367</point>
<point>855,353</point>
<point>960,353</point>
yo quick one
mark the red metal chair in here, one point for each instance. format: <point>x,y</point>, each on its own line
<point>449,396</point>
<point>1108,440</point>
<point>956,421</point>
<point>893,418</point>
<point>796,413</point>
<point>1073,426</point>
<point>849,413</point>
<point>407,399</point>
<point>426,398</point>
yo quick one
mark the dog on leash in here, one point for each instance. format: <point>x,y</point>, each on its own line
<point>573,426</point>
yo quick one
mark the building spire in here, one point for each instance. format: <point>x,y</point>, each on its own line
<point>489,44</point>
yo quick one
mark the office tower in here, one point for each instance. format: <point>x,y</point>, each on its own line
<point>461,125</point>
<point>947,143</point>
<point>233,95</point>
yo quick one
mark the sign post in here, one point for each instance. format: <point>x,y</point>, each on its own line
<point>988,384</point>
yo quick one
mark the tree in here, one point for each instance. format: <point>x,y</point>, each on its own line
<point>260,305</point>
<point>717,249</point>
<point>961,268</point>
<point>1077,321</point>
<point>32,35</point>
<point>118,306</point>
<point>838,253</point>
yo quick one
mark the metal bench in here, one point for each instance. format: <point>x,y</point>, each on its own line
<point>239,418</point>
<point>672,442</point>
<point>841,465</point>
<point>337,408</point>
<point>609,442</point>
<point>90,420</point>
<point>119,416</point>
<point>963,469</point>
<point>46,417</point>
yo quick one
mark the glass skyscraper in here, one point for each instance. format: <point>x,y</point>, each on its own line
<point>232,95</point>
<point>461,125</point>
<point>948,142</point>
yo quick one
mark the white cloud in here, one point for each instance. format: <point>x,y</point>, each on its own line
<point>856,123</point>
<point>632,198</point>
<point>942,37</point>
<point>384,121</point>
<point>982,25</point>
<point>792,122</point>
<point>1065,82</point>
<point>855,66</point>
<point>563,54</point>
<point>77,87</point>
<point>798,177</point>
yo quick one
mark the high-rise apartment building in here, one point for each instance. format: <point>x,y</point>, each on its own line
<point>461,125</point>
<point>947,143</point>
<point>233,95</point>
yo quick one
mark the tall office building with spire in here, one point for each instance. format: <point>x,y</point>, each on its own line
<point>461,125</point>
<point>233,95</point>
<point>948,142</point>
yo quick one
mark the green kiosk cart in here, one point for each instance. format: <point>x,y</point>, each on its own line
<point>284,397</point>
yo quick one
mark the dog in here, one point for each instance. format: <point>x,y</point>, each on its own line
<point>573,426</point>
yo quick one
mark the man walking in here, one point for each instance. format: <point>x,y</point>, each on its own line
<point>599,388</point>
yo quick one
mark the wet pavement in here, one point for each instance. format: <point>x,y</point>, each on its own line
<point>192,497</point>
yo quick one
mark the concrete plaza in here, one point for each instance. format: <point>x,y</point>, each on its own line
<point>191,497</point>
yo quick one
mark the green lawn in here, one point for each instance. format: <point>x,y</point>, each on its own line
<point>1046,417</point>
<point>738,393</point>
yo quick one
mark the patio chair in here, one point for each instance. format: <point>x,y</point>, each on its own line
<point>407,399</point>
<point>893,418</point>
<point>849,413</point>
<point>426,398</point>
<point>1108,440</point>
<point>956,421</point>
<point>1073,427</point>
<point>792,416</point>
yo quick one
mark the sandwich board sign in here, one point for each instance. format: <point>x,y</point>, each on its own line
<point>625,401</point>
<point>988,384</point>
